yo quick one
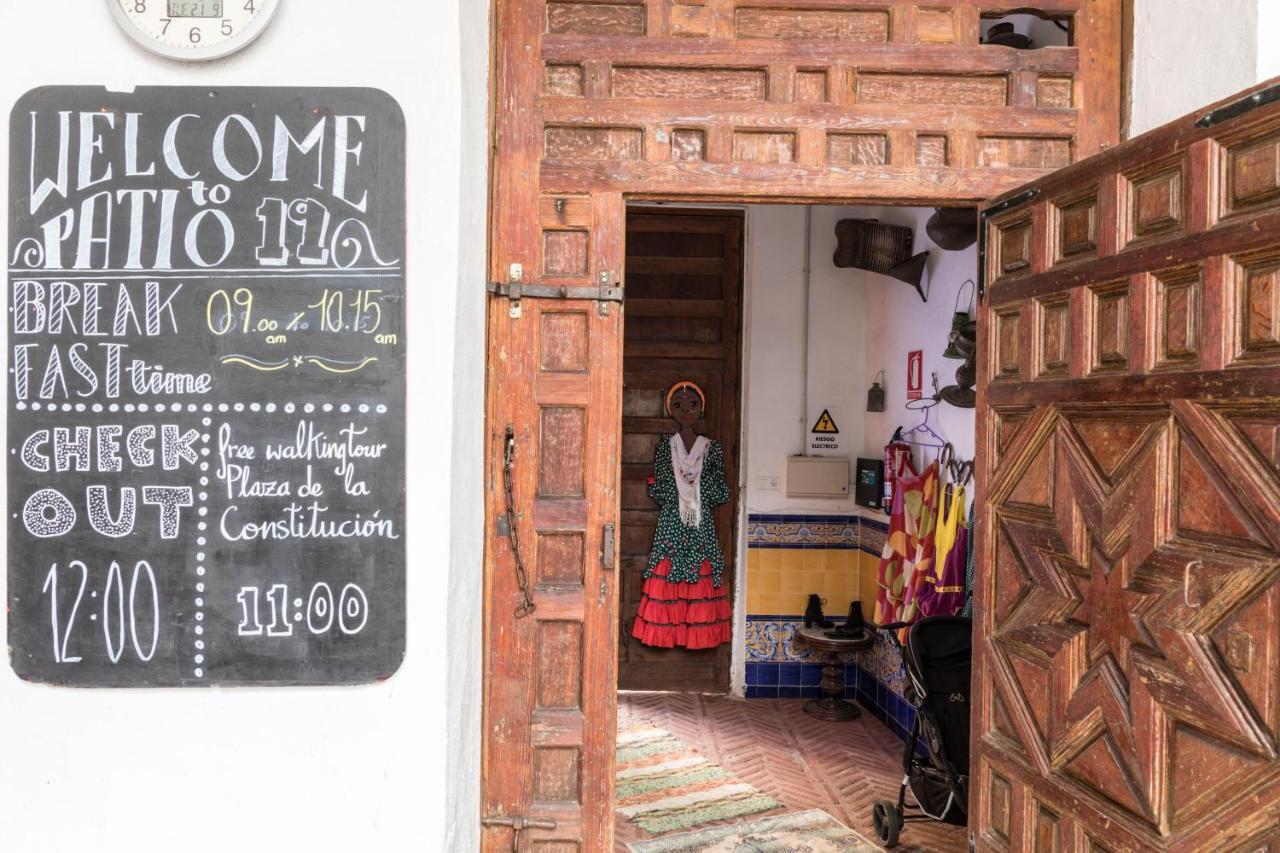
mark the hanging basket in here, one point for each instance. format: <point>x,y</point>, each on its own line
<point>871,245</point>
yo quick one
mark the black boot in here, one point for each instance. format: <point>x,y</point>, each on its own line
<point>813,613</point>
<point>854,621</point>
<point>853,625</point>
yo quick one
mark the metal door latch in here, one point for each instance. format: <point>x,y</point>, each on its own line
<point>514,290</point>
<point>518,824</point>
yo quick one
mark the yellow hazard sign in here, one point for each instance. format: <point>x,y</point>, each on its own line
<point>825,424</point>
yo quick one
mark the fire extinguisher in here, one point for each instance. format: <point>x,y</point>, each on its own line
<point>896,454</point>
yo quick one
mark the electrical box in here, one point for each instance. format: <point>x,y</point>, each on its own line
<point>818,476</point>
<point>868,489</point>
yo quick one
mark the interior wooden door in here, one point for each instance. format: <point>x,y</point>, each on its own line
<point>684,321</point>
<point>1128,670</point>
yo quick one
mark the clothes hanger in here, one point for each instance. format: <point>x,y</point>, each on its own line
<point>923,435</point>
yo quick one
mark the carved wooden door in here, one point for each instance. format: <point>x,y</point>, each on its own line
<point>1128,669</point>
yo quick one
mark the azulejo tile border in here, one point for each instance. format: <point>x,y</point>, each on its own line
<point>801,531</point>
<point>773,639</point>
<point>871,535</point>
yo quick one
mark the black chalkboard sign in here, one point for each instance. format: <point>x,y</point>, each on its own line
<point>206,386</point>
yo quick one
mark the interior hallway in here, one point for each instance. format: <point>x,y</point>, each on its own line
<point>806,763</point>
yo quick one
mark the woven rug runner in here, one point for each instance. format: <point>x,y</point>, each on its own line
<point>665,785</point>
<point>813,831</point>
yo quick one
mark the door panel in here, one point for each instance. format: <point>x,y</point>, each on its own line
<point>549,698</point>
<point>1129,574</point>
<point>683,309</point>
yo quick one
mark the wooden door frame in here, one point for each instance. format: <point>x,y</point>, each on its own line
<point>567,194</point>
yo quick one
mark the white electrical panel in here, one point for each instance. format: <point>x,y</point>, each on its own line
<point>818,476</point>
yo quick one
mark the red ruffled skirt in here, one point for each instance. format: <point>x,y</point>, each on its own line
<point>690,615</point>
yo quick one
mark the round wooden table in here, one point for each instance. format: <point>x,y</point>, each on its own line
<point>832,705</point>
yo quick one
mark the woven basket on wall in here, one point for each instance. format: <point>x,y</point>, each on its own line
<point>871,245</point>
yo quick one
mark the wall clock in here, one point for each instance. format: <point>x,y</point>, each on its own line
<point>193,30</point>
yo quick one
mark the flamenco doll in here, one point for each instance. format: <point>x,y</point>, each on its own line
<point>685,602</point>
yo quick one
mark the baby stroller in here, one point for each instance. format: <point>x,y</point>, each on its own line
<point>937,658</point>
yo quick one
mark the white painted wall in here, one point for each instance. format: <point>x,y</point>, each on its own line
<point>860,323</point>
<point>319,769</point>
<point>898,323</point>
<point>1268,41</point>
<point>1188,53</point>
<point>774,386</point>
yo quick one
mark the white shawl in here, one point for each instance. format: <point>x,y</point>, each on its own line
<point>687,467</point>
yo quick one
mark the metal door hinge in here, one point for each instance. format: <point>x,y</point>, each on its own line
<point>518,824</point>
<point>514,290</point>
<point>1238,108</point>
<point>608,549</point>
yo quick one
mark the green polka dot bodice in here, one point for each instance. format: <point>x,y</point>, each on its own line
<point>687,547</point>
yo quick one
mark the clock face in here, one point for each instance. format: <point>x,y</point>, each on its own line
<point>193,29</point>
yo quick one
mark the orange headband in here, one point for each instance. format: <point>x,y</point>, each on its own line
<point>693,386</point>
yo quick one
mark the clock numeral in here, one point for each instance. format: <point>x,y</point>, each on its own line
<point>140,7</point>
<point>249,7</point>
<point>166,22</point>
<point>194,36</point>
<point>226,27</point>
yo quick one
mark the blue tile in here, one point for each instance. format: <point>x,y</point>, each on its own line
<point>811,691</point>
<point>753,670</point>
<point>789,674</point>
<point>789,692</point>
<point>851,675</point>
<point>767,673</point>
<point>811,674</point>
<point>757,692</point>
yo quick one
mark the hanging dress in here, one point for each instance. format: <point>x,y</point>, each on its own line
<point>908,549</point>
<point>943,588</point>
<point>968,571</point>
<point>684,601</point>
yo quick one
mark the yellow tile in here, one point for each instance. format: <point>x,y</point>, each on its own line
<point>753,603</point>
<point>790,560</point>
<point>869,590</point>
<point>755,558</point>
<point>792,604</point>
<point>793,582</point>
<point>769,602</point>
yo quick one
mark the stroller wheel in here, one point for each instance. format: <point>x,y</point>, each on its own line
<point>888,822</point>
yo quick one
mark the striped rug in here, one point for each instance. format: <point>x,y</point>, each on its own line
<point>665,785</point>
<point>813,831</point>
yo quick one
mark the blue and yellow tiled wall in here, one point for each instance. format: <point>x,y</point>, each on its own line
<point>837,557</point>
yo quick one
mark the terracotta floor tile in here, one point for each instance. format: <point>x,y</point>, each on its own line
<point>841,768</point>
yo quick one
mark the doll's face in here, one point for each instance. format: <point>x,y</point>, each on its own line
<point>686,407</point>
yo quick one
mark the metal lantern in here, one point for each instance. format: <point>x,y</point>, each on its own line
<point>959,320</point>
<point>875,395</point>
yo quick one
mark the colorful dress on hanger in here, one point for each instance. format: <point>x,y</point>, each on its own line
<point>685,602</point>
<point>942,590</point>
<point>909,548</point>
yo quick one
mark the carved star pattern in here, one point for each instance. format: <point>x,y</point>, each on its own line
<point>1129,654</point>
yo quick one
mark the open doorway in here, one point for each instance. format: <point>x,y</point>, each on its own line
<point>759,289</point>
<point>684,322</point>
